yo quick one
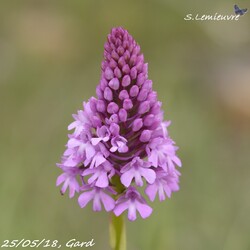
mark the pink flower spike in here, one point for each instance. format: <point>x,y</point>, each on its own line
<point>119,139</point>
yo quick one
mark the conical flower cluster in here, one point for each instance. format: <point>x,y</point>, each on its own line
<point>120,141</point>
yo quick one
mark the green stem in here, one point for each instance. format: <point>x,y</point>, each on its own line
<point>117,232</point>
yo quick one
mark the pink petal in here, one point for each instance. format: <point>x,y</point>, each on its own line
<point>70,162</point>
<point>99,159</point>
<point>144,209</point>
<point>73,143</point>
<point>90,151</point>
<point>175,187</point>
<point>151,191</point>
<point>120,208</point>
<point>68,152</point>
<point>177,161</point>
<point>87,172</point>
<point>97,206</point>
<point>153,158</point>
<point>138,179</point>
<point>170,164</point>
<point>93,177</point>
<point>123,149</point>
<point>95,141</point>
<point>107,201</point>
<point>61,178</point>
<point>65,186</point>
<point>167,190</point>
<point>132,211</point>
<point>102,180</point>
<point>164,166</point>
<point>113,149</point>
<point>148,174</point>
<point>73,187</point>
<point>127,177</point>
<point>162,196</point>
<point>85,198</point>
<point>72,125</point>
<point>105,139</point>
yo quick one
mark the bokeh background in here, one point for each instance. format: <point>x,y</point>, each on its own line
<point>50,57</point>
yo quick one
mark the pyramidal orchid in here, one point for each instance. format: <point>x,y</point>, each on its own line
<point>120,141</point>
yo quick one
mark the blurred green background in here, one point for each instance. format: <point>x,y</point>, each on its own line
<point>50,57</point>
